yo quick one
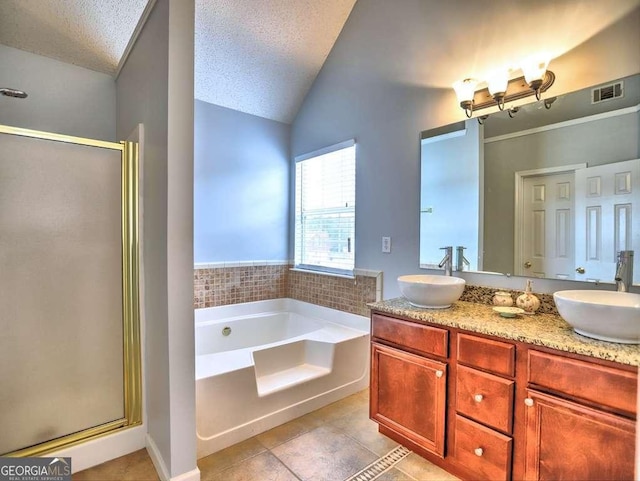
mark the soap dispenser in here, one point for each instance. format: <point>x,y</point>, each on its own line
<point>527,301</point>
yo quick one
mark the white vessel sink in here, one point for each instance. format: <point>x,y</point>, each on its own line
<point>433,292</point>
<point>605,315</point>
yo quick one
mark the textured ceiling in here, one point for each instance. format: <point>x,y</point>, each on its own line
<point>89,33</point>
<point>255,56</point>
<point>262,56</point>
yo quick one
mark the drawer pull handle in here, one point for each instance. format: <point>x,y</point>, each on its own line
<point>479,451</point>
<point>528,401</point>
<point>439,373</point>
<point>478,398</point>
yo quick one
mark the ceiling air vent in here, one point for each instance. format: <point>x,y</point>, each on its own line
<point>607,92</point>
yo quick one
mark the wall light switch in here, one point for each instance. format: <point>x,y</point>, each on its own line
<point>386,245</point>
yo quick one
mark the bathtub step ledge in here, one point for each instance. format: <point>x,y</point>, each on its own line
<point>278,381</point>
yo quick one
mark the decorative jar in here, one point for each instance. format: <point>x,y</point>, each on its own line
<point>502,298</point>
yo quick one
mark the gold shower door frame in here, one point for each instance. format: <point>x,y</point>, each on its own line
<point>130,290</point>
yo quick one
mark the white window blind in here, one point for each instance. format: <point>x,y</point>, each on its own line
<point>325,209</point>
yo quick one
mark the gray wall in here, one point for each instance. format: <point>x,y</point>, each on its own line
<point>600,142</point>
<point>142,97</point>
<point>356,96</point>
<point>62,98</point>
<point>155,88</point>
<point>241,186</point>
<point>385,119</point>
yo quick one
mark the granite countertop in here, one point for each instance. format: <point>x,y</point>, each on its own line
<point>546,330</point>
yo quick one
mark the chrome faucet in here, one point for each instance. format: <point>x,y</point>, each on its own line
<point>447,261</point>
<point>624,271</point>
<point>461,260</point>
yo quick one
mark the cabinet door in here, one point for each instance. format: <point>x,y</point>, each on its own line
<point>408,395</point>
<point>565,440</point>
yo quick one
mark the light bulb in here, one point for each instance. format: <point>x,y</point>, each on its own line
<point>534,69</point>
<point>497,82</point>
<point>465,89</point>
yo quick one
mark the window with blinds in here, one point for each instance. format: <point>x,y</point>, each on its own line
<point>325,209</point>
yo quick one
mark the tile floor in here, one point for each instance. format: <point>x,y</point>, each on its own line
<point>330,444</point>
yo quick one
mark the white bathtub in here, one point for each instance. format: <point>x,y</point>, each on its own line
<point>281,359</point>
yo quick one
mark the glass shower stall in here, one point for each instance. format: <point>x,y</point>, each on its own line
<point>69,313</point>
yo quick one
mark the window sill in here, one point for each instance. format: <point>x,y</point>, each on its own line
<point>322,273</point>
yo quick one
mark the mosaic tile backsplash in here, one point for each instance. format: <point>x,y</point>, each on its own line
<point>484,295</point>
<point>219,286</point>
<point>349,295</point>
<point>223,285</point>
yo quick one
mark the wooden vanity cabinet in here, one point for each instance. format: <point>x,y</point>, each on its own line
<point>484,402</point>
<point>582,426</point>
<point>565,440</point>
<point>410,336</point>
<point>408,388</point>
<point>483,452</point>
<point>488,409</point>
<point>408,395</point>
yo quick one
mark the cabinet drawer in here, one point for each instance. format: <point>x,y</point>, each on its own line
<point>483,451</point>
<point>599,384</point>
<point>485,398</point>
<point>418,337</point>
<point>495,356</point>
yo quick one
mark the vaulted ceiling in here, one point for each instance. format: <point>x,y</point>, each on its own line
<point>256,56</point>
<point>262,56</point>
<point>89,33</point>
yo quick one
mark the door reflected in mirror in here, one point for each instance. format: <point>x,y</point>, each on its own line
<point>550,193</point>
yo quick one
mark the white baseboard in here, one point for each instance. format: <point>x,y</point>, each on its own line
<point>156,458</point>
<point>106,448</point>
<point>161,467</point>
<point>193,475</point>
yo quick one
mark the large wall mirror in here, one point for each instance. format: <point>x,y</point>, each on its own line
<point>550,191</point>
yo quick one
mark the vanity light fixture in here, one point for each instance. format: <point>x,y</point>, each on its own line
<point>465,91</point>
<point>499,89</point>
<point>534,70</point>
<point>548,102</point>
<point>497,85</point>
